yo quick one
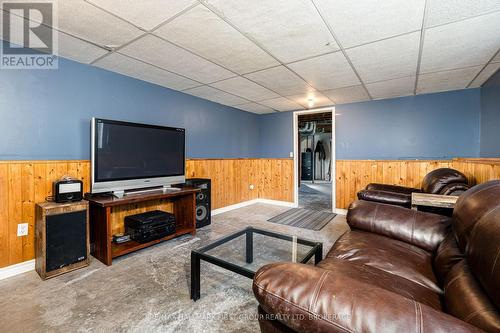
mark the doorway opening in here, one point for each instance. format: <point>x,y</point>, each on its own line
<point>315,159</point>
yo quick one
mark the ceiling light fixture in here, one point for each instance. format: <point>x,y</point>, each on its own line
<point>310,102</point>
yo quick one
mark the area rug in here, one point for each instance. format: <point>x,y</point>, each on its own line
<point>304,218</point>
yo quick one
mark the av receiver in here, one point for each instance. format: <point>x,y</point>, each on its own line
<point>148,226</point>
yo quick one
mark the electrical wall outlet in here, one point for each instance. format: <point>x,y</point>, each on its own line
<point>252,187</point>
<point>291,154</point>
<point>22,229</point>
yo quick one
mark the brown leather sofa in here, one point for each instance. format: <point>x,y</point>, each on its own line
<point>443,181</point>
<point>397,270</point>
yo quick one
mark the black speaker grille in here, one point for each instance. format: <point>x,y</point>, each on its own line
<point>203,217</point>
<point>66,239</point>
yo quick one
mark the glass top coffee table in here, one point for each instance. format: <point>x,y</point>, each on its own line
<point>245,251</point>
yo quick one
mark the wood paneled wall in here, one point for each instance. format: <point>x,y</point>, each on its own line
<point>353,175</point>
<point>24,183</point>
<point>231,179</point>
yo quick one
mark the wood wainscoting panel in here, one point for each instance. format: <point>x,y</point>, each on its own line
<point>24,183</point>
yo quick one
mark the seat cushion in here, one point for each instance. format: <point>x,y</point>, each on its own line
<point>379,278</point>
<point>387,254</point>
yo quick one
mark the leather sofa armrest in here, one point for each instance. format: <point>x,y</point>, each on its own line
<point>454,189</point>
<point>391,198</point>
<point>310,299</point>
<point>391,188</point>
<point>425,230</point>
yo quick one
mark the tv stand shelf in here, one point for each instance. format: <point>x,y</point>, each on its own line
<point>102,208</point>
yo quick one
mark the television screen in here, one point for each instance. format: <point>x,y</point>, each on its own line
<point>124,151</point>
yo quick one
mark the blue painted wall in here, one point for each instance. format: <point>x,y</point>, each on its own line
<point>490,117</point>
<point>442,125</point>
<point>45,114</point>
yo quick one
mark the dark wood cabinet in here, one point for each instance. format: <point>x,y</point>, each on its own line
<point>107,218</point>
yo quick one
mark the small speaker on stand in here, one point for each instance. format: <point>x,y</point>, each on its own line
<point>203,210</point>
<point>62,238</point>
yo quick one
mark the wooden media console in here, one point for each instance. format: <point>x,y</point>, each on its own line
<point>107,218</point>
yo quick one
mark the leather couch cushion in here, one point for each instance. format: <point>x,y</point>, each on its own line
<point>472,206</point>
<point>421,229</point>
<point>437,179</point>
<point>269,324</point>
<point>382,279</point>
<point>454,189</point>
<point>447,255</point>
<point>386,197</point>
<point>392,188</point>
<point>387,254</point>
<point>483,249</point>
<point>466,300</point>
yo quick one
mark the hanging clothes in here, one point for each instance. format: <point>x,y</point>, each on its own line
<point>320,149</point>
<point>321,153</point>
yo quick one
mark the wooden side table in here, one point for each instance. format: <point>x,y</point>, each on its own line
<point>433,200</point>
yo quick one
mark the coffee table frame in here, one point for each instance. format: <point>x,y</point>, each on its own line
<point>200,254</point>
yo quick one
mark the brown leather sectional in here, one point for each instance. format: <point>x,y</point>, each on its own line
<point>443,181</point>
<point>397,270</point>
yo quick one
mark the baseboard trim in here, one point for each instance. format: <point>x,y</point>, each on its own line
<point>277,202</point>
<point>340,211</point>
<point>251,202</point>
<point>12,270</point>
<point>233,207</point>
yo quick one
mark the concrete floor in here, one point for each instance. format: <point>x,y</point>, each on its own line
<point>148,291</point>
<point>316,196</point>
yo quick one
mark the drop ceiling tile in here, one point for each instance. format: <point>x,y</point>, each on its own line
<point>447,80</point>
<point>325,72</point>
<point>281,104</point>
<point>127,66</point>
<point>216,95</point>
<point>78,50</point>
<point>70,47</point>
<point>446,11</point>
<point>255,108</point>
<point>387,59</point>
<point>290,29</point>
<point>81,19</point>
<point>281,80</point>
<point>145,14</point>
<point>392,88</point>
<point>461,44</point>
<point>360,22</point>
<point>245,88</point>
<point>485,74</point>
<point>317,98</point>
<point>348,95</point>
<point>207,35</point>
<point>158,52</point>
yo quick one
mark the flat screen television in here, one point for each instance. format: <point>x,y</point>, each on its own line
<point>131,156</point>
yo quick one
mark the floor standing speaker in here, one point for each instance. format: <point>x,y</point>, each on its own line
<point>203,211</point>
<point>62,238</point>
